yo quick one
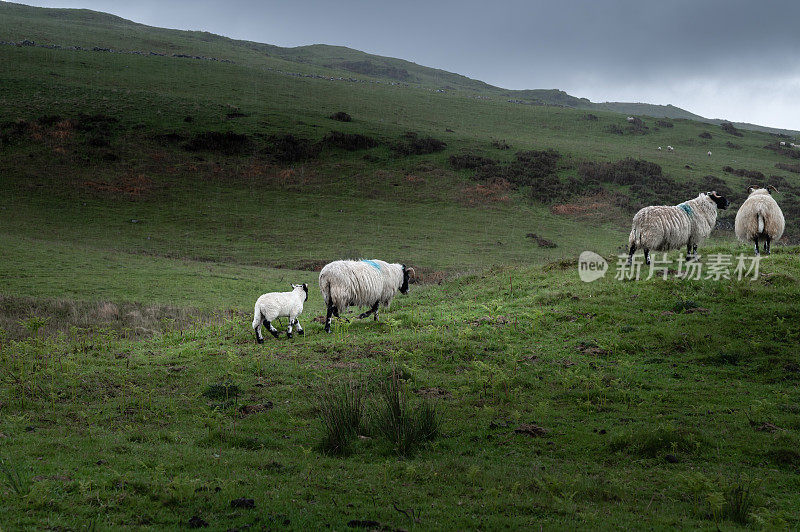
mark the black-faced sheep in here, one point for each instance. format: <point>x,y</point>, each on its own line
<point>661,228</point>
<point>361,283</point>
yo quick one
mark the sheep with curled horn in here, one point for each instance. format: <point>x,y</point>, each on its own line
<point>759,218</point>
<point>666,227</point>
<point>361,283</point>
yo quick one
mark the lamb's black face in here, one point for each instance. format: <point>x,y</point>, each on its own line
<point>404,286</point>
<point>305,288</point>
<point>721,201</point>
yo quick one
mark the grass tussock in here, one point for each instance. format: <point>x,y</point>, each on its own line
<point>656,442</point>
<point>341,409</point>
<point>404,425</point>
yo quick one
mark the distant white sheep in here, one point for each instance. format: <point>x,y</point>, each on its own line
<point>280,304</point>
<point>631,119</point>
<point>670,148</point>
<point>361,283</point>
<point>663,227</point>
<point>759,218</point>
<point>783,143</point>
<point>659,148</point>
<point>709,153</point>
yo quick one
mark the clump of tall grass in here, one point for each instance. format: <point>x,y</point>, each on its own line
<point>341,408</point>
<point>404,425</point>
<point>13,478</point>
<point>740,498</point>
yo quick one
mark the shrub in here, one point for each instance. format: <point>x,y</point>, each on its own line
<point>341,409</point>
<point>752,174</point>
<point>732,146</point>
<point>705,135</point>
<point>781,150</point>
<point>470,161</point>
<point>228,143</point>
<point>727,127</point>
<point>614,129</point>
<point>349,141</point>
<point>789,167</point>
<point>664,123</point>
<point>501,144</point>
<point>341,116</point>
<point>290,149</point>
<point>413,145</point>
<point>590,117</point>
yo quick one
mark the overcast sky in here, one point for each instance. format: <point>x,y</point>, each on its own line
<point>733,59</point>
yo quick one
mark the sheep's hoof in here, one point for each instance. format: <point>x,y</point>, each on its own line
<point>276,334</point>
<point>259,340</point>
<point>362,315</point>
<point>301,332</point>
<point>289,335</point>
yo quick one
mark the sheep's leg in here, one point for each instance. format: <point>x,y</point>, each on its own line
<point>328,319</point>
<point>647,256</point>
<point>271,329</point>
<point>688,252</point>
<point>694,250</point>
<point>259,338</point>
<point>289,328</point>
<point>767,245</point>
<point>375,315</point>
<point>373,310</point>
<point>299,328</point>
<point>756,241</point>
<point>631,251</point>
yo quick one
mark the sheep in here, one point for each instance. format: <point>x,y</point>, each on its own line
<point>661,228</point>
<point>709,153</point>
<point>277,304</point>
<point>362,283</point>
<point>670,148</point>
<point>659,148</point>
<point>783,143</point>
<point>759,217</point>
<point>631,119</point>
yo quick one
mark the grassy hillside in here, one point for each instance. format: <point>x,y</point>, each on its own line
<point>149,199</point>
<point>91,29</point>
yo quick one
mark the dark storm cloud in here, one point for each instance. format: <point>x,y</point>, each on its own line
<point>721,58</point>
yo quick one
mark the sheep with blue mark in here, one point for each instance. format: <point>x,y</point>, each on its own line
<point>361,283</point>
<point>666,227</point>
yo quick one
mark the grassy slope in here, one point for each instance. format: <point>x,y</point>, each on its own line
<point>118,432</point>
<point>74,27</point>
<point>121,435</point>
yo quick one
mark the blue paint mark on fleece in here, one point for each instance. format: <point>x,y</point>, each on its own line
<point>686,208</point>
<point>373,264</point>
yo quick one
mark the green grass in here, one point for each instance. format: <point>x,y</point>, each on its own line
<point>128,433</point>
<point>133,394</point>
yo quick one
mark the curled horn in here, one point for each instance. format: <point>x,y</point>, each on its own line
<point>411,271</point>
<point>751,187</point>
<point>773,188</point>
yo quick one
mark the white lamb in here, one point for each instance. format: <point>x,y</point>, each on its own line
<point>279,304</point>
<point>709,153</point>
<point>670,148</point>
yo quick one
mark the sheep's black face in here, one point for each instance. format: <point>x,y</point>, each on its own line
<point>305,288</point>
<point>404,286</point>
<point>721,201</point>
